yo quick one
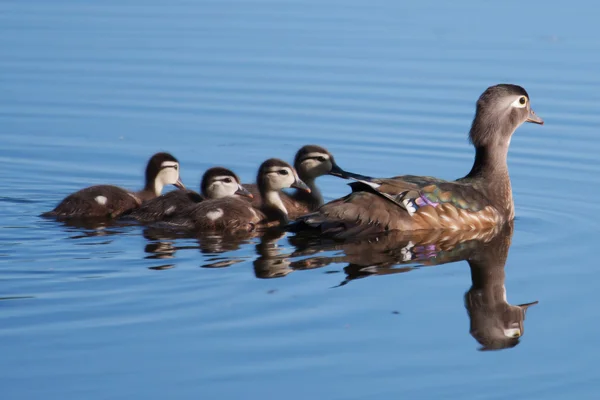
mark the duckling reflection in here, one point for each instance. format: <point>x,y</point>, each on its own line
<point>163,237</point>
<point>494,323</point>
<point>82,228</point>
<point>271,262</point>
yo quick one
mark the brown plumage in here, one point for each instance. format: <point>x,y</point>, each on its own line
<point>217,182</point>
<point>311,162</point>
<point>232,214</point>
<point>480,200</point>
<point>106,201</point>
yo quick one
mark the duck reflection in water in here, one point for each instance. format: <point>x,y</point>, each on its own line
<point>494,323</point>
<point>162,241</point>
<point>271,261</point>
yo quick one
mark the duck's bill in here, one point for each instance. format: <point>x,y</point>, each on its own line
<point>525,306</point>
<point>298,184</point>
<point>337,171</point>
<point>179,184</point>
<point>242,191</point>
<point>534,118</point>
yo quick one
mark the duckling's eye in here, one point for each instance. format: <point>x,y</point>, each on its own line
<point>227,180</point>
<point>523,100</point>
<point>283,172</point>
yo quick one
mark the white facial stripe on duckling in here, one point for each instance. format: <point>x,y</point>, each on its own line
<point>168,175</point>
<point>314,165</point>
<point>215,214</point>
<point>169,164</point>
<point>280,177</point>
<point>315,155</point>
<point>222,186</point>
<point>101,200</point>
<point>520,102</point>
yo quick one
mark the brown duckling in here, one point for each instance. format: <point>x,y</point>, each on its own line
<point>311,162</point>
<point>231,214</point>
<point>217,182</point>
<point>106,201</point>
<point>481,199</point>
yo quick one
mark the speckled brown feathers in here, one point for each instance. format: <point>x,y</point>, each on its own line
<point>101,201</point>
<point>165,206</point>
<point>229,214</point>
<point>106,201</point>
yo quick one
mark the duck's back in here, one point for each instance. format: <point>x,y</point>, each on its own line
<point>101,201</point>
<point>166,206</point>
<point>406,203</point>
<point>229,214</point>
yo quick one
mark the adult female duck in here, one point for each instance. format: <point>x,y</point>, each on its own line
<point>481,199</point>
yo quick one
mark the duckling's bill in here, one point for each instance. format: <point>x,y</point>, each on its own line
<point>242,191</point>
<point>298,184</point>
<point>179,184</point>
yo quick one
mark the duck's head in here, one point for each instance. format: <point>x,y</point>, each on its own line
<point>162,170</point>
<point>501,109</point>
<point>313,161</point>
<point>275,174</point>
<point>219,182</point>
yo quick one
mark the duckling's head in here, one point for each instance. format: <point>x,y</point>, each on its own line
<point>162,170</point>
<point>313,161</point>
<point>275,174</point>
<point>501,109</point>
<point>219,182</point>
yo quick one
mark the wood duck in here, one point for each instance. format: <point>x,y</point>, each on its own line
<point>217,182</point>
<point>106,201</point>
<point>311,162</point>
<point>481,199</point>
<point>231,214</point>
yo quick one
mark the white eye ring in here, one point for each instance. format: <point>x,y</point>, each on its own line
<point>521,102</point>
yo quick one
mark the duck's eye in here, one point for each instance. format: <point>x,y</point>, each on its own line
<point>176,167</point>
<point>520,102</point>
<point>227,180</point>
<point>321,159</point>
<point>283,172</point>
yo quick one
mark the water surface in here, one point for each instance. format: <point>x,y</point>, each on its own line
<point>91,89</point>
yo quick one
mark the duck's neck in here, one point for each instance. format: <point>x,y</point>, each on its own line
<point>314,198</point>
<point>273,206</point>
<point>152,189</point>
<point>490,175</point>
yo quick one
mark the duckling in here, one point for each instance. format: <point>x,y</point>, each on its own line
<point>217,182</point>
<point>231,214</point>
<point>481,199</point>
<point>106,201</point>
<point>311,162</point>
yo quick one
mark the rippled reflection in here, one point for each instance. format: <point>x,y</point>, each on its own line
<point>494,323</point>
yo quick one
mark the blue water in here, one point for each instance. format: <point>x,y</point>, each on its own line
<point>89,90</point>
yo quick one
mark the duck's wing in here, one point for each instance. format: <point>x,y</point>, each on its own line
<point>165,206</point>
<point>100,201</point>
<point>405,203</point>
